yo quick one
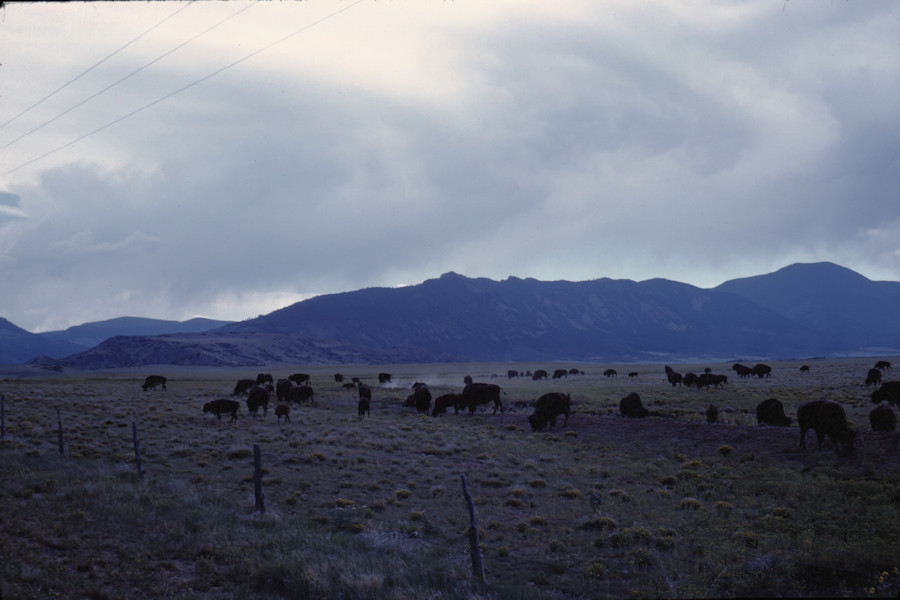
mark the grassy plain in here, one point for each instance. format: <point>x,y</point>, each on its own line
<point>600,507</point>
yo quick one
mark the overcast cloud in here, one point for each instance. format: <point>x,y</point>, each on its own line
<point>388,142</point>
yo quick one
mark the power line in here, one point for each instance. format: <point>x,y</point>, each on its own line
<point>89,69</point>
<point>112,85</point>
<point>190,85</point>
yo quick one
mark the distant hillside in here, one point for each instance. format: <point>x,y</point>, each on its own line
<point>802,310</point>
<point>18,345</point>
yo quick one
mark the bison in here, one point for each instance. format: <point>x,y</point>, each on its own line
<point>257,397</point>
<point>338,377</point>
<point>761,370</point>
<point>442,403</point>
<point>264,378</point>
<point>883,364</point>
<point>299,378</point>
<point>482,393</point>
<point>420,398</point>
<point>154,381</point>
<point>560,373</point>
<point>827,418</point>
<point>674,378</point>
<point>283,390</point>
<point>301,394</point>
<point>743,371</point>
<point>384,378</point>
<point>873,377</point>
<point>804,369</point>
<point>283,410</point>
<point>888,392</point>
<point>510,374</point>
<point>882,418</point>
<point>631,406</point>
<point>610,373</point>
<point>221,407</point>
<point>243,386</point>
<point>689,379</point>
<point>771,412</point>
<point>632,374</point>
<point>712,414</point>
<point>547,408</point>
<point>539,374</point>
<point>704,380</point>
<point>362,407</point>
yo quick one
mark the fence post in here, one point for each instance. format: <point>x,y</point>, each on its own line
<point>2,416</point>
<point>474,544</point>
<point>62,443</point>
<point>137,451</point>
<point>257,479</point>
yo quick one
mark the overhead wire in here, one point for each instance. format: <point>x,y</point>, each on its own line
<point>91,68</point>
<point>115,83</point>
<point>185,87</point>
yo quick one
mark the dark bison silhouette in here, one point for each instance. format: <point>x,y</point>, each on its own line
<point>299,378</point>
<point>761,370</point>
<point>442,403</point>
<point>873,377</point>
<point>243,386</point>
<point>883,364</point>
<point>743,371</point>
<point>301,394</point>
<point>689,380</point>
<point>154,381</point>
<point>539,374</point>
<point>283,389</point>
<point>257,398</point>
<point>338,377</point>
<point>222,407</point>
<point>704,380</point>
<point>674,378</point>
<point>283,410</point>
<point>712,414</point>
<point>888,392</point>
<point>264,378</point>
<point>610,373</point>
<point>631,406</point>
<point>882,418</point>
<point>365,400</point>
<point>420,398</point>
<point>804,369</point>
<point>560,373</point>
<point>547,408</point>
<point>826,418</point>
<point>477,394</point>
<point>510,374</point>
<point>771,412</point>
<point>384,378</point>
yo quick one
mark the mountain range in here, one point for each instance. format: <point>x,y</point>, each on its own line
<point>803,310</point>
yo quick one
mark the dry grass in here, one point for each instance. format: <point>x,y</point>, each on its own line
<point>373,508</point>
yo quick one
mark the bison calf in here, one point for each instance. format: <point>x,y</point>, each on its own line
<point>827,418</point>
<point>362,407</point>
<point>631,406</point>
<point>283,410</point>
<point>547,408</point>
<point>221,407</point>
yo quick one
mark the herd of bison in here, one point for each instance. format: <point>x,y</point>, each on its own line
<point>825,417</point>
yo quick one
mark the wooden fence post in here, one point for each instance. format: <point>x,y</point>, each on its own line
<point>2,416</point>
<point>137,451</point>
<point>474,544</point>
<point>62,443</point>
<point>257,479</point>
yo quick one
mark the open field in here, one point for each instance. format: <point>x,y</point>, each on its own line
<point>602,506</point>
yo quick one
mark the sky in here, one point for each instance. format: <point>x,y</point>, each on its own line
<point>227,159</point>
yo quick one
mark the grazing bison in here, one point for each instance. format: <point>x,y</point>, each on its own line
<point>771,412</point>
<point>882,418</point>
<point>689,379</point>
<point>743,371</point>
<point>883,364</point>
<point>547,408</point>
<point>264,378</point>
<point>510,374</point>
<point>632,374</point>
<point>243,386</point>
<point>560,373</point>
<point>539,374</point>
<point>761,370</point>
<point>888,392</point>
<point>420,398</point>
<point>482,393</point>
<point>384,378</point>
<point>338,377</point>
<point>283,410</point>
<point>610,373</point>
<point>362,407</point>
<point>873,377</point>
<point>804,369</point>
<point>257,397</point>
<point>299,378</point>
<point>574,371</point>
<point>442,403</point>
<point>826,418</point>
<point>674,378</point>
<point>704,380</point>
<point>283,390</point>
<point>301,394</point>
<point>221,407</point>
<point>712,414</point>
<point>631,406</point>
<point>154,381</point>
